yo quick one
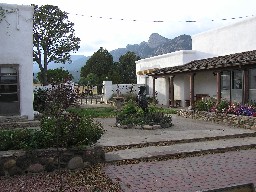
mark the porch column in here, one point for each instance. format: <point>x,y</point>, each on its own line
<point>192,93</point>
<point>245,97</point>
<point>154,88</point>
<point>218,82</point>
<point>171,90</point>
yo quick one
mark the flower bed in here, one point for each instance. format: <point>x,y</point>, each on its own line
<point>241,121</point>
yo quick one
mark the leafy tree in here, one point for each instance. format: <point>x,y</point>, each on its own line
<point>56,76</point>
<point>127,67</point>
<point>91,79</point>
<point>100,64</point>
<point>54,37</point>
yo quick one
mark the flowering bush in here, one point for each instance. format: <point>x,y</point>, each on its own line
<point>225,106</point>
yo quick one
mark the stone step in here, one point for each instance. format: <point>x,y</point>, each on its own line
<point>173,137</point>
<point>168,142</point>
<point>19,124</point>
<point>7,119</point>
<point>183,149</point>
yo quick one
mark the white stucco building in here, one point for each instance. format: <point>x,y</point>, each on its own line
<point>221,64</point>
<point>16,60</point>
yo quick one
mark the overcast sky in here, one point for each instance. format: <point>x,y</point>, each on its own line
<point>113,24</point>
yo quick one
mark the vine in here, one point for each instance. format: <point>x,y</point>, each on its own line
<point>3,13</point>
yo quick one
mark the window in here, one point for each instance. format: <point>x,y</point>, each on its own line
<point>237,79</point>
<point>252,79</point>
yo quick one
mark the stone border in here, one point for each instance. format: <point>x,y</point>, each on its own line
<point>246,122</point>
<point>21,162</point>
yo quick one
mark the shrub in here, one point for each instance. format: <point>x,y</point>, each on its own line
<point>69,130</point>
<point>205,105</point>
<point>222,106</point>
<point>131,114</point>
<point>40,98</point>
<point>62,95</point>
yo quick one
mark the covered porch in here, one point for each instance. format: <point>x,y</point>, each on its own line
<point>231,77</point>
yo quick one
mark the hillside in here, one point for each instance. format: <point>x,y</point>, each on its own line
<point>156,45</point>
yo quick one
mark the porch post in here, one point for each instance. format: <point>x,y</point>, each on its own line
<point>218,78</point>
<point>245,97</point>
<point>192,93</point>
<point>154,88</point>
<point>171,90</point>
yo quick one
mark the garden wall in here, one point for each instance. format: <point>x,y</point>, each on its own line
<point>118,89</point>
<point>46,160</point>
<point>247,122</point>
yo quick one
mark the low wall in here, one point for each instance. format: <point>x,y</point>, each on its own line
<point>46,160</point>
<point>247,122</point>
<point>118,89</point>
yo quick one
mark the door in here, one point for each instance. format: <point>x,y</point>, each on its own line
<point>9,90</point>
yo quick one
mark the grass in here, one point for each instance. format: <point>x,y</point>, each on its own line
<point>105,112</point>
<point>102,112</point>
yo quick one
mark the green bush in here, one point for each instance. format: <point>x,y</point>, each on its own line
<point>205,105</point>
<point>68,130</point>
<point>40,98</point>
<point>131,114</point>
<point>222,106</point>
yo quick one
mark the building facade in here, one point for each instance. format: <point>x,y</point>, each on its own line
<point>221,64</point>
<point>16,60</point>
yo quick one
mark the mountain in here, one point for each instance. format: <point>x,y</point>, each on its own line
<point>156,45</point>
<point>78,61</point>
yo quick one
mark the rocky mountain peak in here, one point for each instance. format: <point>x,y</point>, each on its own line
<point>155,40</point>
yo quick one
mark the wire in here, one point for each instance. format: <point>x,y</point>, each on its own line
<point>159,21</point>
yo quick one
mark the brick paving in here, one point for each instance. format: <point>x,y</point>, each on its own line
<point>190,174</point>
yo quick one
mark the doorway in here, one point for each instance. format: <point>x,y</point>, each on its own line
<point>9,90</point>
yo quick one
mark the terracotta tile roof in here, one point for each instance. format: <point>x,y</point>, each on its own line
<point>232,60</point>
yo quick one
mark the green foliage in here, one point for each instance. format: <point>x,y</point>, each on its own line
<point>205,105</point>
<point>91,79</point>
<point>54,37</point>
<point>222,106</point>
<point>131,114</point>
<point>40,98</point>
<point>14,139</point>
<point>70,130</point>
<point>95,112</point>
<point>100,64</point>
<point>55,99</point>
<point>56,76</point>
<point>127,68</point>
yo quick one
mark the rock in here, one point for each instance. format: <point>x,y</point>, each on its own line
<point>50,167</point>
<point>148,127</point>
<point>35,168</point>
<point>76,163</point>
<point>2,173</point>
<point>15,171</point>
<point>9,164</point>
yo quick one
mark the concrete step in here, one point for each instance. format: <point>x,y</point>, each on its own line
<point>188,148</point>
<point>19,124</point>
<point>8,119</point>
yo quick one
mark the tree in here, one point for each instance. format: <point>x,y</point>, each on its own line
<point>127,68</point>
<point>99,64</point>
<point>56,76</point>
<point>54,37</point>
<point>91,79</point>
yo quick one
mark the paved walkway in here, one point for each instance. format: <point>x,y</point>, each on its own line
<point>191,174</point>
<point>182,129</point>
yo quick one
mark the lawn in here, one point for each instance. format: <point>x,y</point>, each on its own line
<point>96,112</point>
